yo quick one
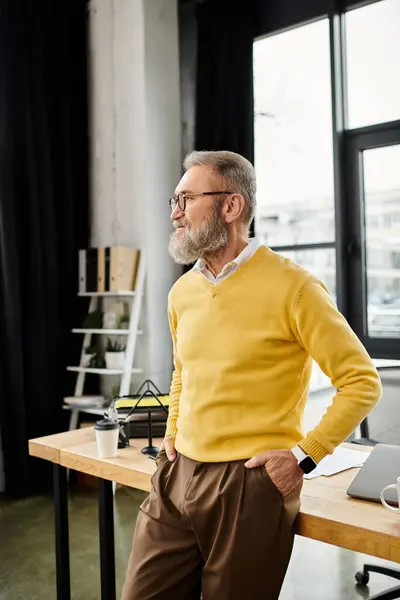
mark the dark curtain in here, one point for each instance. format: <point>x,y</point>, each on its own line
<point>224,79</point>
<point>43,221</point>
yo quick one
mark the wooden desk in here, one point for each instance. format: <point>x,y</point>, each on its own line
<point>327,514</point>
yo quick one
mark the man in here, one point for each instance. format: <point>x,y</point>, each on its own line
<point>246,324</point>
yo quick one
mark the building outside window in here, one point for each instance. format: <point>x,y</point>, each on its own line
<point>294,155</point>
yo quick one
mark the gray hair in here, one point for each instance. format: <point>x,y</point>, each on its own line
<point>234,169</point>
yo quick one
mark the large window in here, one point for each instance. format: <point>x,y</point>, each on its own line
<point>373,59</point>
<point>381,169</point>
<point>372,144</point>
<point>293,147</point>
<point>374,222</point>
<point>329,176</point>
<point>293,151</point>
<point>293,137</point>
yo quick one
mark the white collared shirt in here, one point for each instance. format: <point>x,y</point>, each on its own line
<point>230,267</point>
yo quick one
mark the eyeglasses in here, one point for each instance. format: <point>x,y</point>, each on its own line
<point>180,199</point>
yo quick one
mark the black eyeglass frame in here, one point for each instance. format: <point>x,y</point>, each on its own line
<point>180,199</point>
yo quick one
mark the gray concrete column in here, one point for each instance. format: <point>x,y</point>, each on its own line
<point>136,150</point>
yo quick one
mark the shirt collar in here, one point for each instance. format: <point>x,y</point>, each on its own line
<point>240,260</point>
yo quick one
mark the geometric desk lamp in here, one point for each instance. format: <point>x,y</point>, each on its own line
<point>143,392</point>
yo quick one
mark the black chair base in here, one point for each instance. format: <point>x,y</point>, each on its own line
<point>362,578</point>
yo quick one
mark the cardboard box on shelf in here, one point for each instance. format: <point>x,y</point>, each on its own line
<point>110,269</point>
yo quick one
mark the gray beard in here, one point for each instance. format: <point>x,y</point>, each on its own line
<point>200,241</point>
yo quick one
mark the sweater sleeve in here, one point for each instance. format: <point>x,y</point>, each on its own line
<point>327,337</point>
<point>176,383</point>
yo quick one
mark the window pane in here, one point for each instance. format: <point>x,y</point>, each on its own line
<point>373,58</point>
<point>293,136</point>
<point>382,226</point>
<point>320,262</point>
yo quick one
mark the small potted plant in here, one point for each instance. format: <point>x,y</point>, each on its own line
<point>114,355</point>
<point>89,355</point>
<point>124,321</point>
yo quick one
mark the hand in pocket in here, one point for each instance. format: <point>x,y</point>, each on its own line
<point>282,468</point>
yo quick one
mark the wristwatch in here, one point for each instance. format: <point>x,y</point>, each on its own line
<point>305,462</point>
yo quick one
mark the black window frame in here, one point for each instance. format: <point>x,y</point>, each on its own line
<point>358,140</point>
<point>349,241</point>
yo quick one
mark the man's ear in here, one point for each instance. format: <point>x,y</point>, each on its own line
<point>232,208</point>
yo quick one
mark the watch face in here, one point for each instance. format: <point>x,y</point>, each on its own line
<point>307,464</point>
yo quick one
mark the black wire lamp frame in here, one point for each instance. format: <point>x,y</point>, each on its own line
<point>145,391</point>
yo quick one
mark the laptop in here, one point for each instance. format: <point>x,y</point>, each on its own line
<point>381,468</point>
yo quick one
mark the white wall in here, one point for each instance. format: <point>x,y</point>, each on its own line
<point>136,149</point>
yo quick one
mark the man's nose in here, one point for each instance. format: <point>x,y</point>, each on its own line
<point>177,213</point>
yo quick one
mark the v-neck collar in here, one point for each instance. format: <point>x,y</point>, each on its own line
<point>216,288</point>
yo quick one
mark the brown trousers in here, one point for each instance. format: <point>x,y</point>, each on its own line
<point>213,529</point>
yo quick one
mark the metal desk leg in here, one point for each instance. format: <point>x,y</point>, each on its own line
<point>106,530</point>
<point>60,492</point>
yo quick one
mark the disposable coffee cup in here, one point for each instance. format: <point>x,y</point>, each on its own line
<point>107,433</point>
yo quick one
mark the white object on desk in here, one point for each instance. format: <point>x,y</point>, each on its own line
<point>107,433</point>
<point>340,460</point>
<point>395,486</point>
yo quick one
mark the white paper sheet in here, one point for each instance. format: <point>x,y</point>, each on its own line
<point>340,460</point>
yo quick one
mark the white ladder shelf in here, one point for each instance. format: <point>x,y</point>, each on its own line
<point>131,337</point>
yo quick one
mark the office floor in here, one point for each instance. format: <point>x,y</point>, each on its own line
<point>27,570</point>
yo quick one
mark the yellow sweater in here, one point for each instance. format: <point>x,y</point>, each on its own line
<point>242,358</point>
